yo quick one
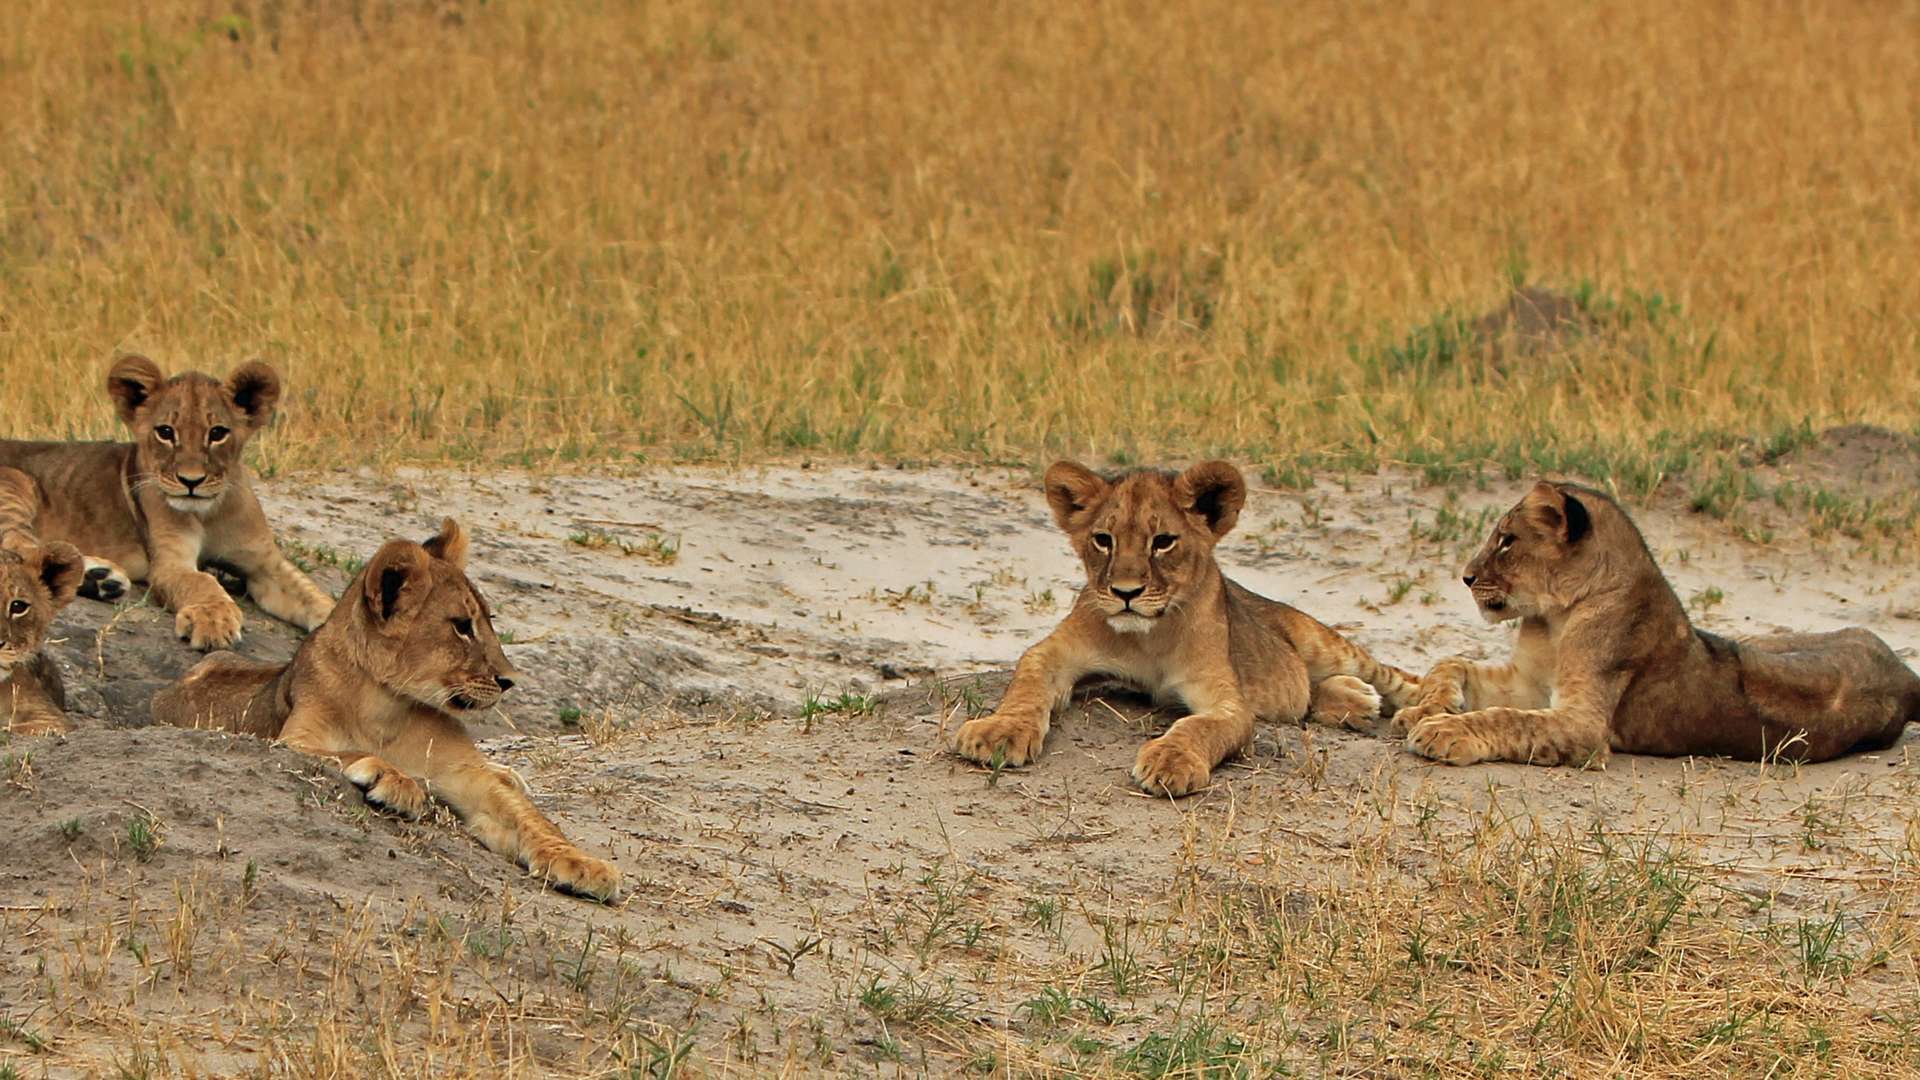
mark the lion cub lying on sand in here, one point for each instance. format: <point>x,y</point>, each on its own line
<point>379,688</point>
<point>1606,659</point>
<point>173,500</point>
<point>35,583</point>
<point>1157,612</point>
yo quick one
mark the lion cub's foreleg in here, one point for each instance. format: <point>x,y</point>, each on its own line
<point>280,588</point>
<point>1016,732</point>
<point>1182,760</point>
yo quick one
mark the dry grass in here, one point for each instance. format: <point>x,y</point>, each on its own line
<point>534,232</point>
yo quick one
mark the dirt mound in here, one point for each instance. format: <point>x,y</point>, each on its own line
<point>1856,460</point>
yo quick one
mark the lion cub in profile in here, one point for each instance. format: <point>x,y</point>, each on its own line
<point>379,690</point>
<point>170,502</point>
<point>1606,659</point>
<point>1157,612</point>
<point>36,581</point>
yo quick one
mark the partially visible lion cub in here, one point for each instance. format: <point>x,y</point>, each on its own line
<point>1606,659</point>
<point>36,581</point>
<point>172,501</point>
<point>379,690</point>
<point>1157,612</point>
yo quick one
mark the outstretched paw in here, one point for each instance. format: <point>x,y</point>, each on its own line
<point>1016,740</point>
<point>1169,766</point>
<point>104,581</point>
<point>1449,739</point>
<point>213,625</point>
<point>1414,715</point>
<point>573,871</point>
<point>1345,701</point>
<point>387,787</point>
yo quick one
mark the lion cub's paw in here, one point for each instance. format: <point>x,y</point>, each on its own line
<point>1345,701</point>
<point>571,870</point>
<point>1449,739</point>
<point>1018,740</point>
<point>387,787</point>
<point>104,581</point>
<point>1168,766</point>
<point>1414,715</point>
<point>213,625</point>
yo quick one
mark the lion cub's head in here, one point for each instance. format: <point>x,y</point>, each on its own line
<point>189,430</point>
<point>1542,555</point>
<point>35,583</point>
<point>1146,537</point>
<point>423,630</point>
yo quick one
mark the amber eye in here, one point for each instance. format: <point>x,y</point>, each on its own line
<point>163,433</point>
<point>1103,541</point>
<point>1506,542</point>
<point>463,627</point>
<point>18,608</point>
<point>1164,543</point>
<point>217,435</point>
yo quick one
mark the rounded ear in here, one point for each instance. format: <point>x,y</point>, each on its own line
<point>1072,490</point>
<point>254,389</point>
<point>61,569</point>
<point>1215,491</point>
<point>396,578</point>
<point>450,545</point>
<point>1557,510</point>
<point>130,382</point>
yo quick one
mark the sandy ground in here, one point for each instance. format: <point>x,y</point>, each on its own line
<point>688,636</point>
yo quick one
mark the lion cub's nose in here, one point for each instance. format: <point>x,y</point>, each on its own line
<point>1128,595</point>
<point>505,684</point>
<point>191,482</point>
<point>1469,579</point>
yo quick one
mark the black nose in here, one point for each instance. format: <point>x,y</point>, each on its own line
<point>1469,579</point>
<point>503,683</point>
<point>191,482</point>
<point>1128,595</point>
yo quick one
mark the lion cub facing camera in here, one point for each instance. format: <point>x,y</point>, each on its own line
<point>36,581</point>
<point>379,690</point>
<point>1157,612</point>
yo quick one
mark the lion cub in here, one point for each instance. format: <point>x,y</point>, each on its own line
<point>379,690</point>
<point>36,581</point>
<point>1157,612</point>
<point>170,502</point>
<point>1606,659</point>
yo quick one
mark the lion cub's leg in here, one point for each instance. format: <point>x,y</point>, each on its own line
<point>105,581</point>
<point>494,804</point>
<point>280,588</point>
<point>1017,730</point>
<point>1182,760</point>
<point>1344,701</point>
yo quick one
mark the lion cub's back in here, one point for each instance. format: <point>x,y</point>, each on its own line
<point>226,692</point>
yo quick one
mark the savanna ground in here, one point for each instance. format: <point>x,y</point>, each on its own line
<point>737,332</point>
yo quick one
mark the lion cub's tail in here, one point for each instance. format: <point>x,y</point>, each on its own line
<point>1328,653</point>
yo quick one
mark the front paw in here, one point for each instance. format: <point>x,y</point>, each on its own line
<point>1407,719</point>
<point>387,787</point>
<point>104,581</point>
<point>1450,739</point>
<point>1168,766</point>
<point>573,871</point>
<point>1345,701</point>
<point>214,625</point>
<point>1016,740</point>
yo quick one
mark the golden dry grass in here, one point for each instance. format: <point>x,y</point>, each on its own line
<point>527,231</point>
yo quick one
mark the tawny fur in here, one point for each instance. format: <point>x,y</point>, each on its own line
<point>1156,612</point>
<point>379,689</point>
<point>1606,660</point>
<point>36,581</point>
<point>172,501</point>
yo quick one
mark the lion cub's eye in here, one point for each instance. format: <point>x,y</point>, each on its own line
<point>463,627</point>
<point>163,433</point>
<point>18,608</point>
<point>1506,541</point>
<point>1164,542</point>
<point>1103,541</point>
<point>217,435</point>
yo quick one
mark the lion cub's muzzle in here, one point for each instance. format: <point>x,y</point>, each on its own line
<point>193,494</point>
<point>479,695</point>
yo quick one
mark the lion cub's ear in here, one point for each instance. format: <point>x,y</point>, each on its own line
<point>1215,491</point>
<point>397,577</point>
<point>254,389</point>
<point>1072,490</point>
<point>130,382</point>
<point>60,570</point>
<point>450,545</point>
<point>1557,510</point>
